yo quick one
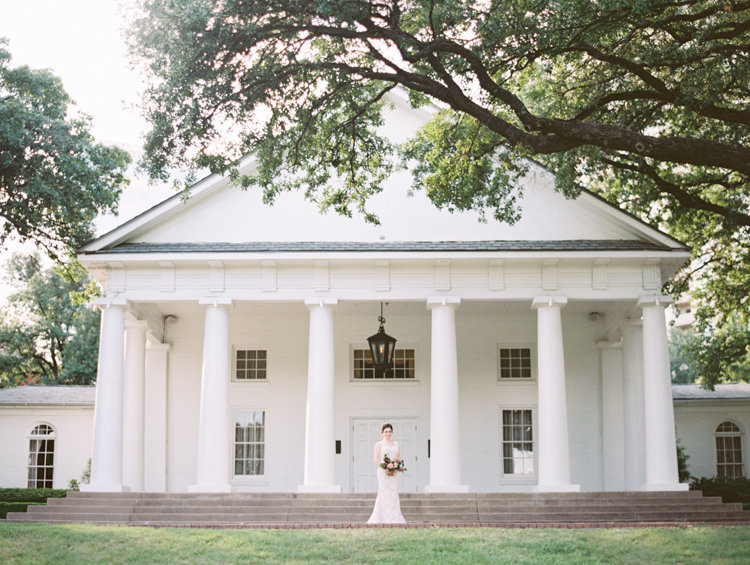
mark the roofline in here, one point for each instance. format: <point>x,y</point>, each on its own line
<point>440,246</point>
<point>606,202</point>
<point>194,192</point>
<point>171,257</point>
<point>614,206</point>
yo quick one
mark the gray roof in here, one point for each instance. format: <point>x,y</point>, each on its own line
<point>37,394</point>
<point>729,391</point>
<point>344,246</point>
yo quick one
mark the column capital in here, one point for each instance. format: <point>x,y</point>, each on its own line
<point>605,344</point>
<point>153,346</point>
<point>655,300</point>
<point>433,301</point>
<point>216,301</point>
<point>544,300</point>
<point>104,302</point>
<point>321,302</point>
<point>631,323</point>
<point>136,325</point>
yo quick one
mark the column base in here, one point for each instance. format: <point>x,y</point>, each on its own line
<point>209,488</point>
<point>319,489</point>
<point>557,488</point>
<point>103,488</point>
<point>664,487</point>
<point>446,488</point>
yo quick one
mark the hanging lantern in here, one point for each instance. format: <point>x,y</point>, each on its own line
<point>382,347</point>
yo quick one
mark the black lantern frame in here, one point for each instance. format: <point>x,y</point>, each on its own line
<point>382,347</point>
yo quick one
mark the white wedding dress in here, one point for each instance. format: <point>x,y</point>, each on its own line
<point>387,505</point>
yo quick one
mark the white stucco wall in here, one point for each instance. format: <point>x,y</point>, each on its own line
<point>696,424</point>
<point>73,441</point>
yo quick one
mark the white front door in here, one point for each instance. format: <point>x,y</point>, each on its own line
<point>365,432</point>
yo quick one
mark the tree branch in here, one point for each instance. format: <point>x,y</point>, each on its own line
<point>684,198</point>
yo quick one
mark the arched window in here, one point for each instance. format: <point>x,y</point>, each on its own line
<point>728,450</point>
<point>41,456</point>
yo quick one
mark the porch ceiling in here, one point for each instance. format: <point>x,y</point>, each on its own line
<point>401,308</point>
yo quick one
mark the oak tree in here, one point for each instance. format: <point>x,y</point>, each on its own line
<point>54,178</point>
<point>642,101</point>
<point>46,335</point>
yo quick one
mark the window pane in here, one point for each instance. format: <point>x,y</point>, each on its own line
<point>250,364</point>
<point>249,442</point>
<point>41,459</point>
<point>403,366</point>
<point>517,447</point>
<point>514,363</point>
<point>728,450</point>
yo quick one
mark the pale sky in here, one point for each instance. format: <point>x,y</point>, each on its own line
<point>81,42</point>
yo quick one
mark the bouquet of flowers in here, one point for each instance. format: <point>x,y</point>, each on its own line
<point>392,466</point>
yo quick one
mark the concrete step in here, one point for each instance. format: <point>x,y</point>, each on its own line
<point>291,508</point>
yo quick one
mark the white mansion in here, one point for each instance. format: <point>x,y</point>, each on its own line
<point>234,357</point>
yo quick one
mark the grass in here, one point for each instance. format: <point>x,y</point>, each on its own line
<point>86,544</point>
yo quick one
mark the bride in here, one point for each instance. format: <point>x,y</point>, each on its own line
<point>387,505</point>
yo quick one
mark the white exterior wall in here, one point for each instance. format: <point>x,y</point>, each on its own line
<point>696,423</point>
<point>73,442</point>
<point>483,397</point>
<point>282,396</point>
<point>282,330</point>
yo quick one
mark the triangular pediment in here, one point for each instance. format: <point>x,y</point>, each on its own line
<point>219,212</point>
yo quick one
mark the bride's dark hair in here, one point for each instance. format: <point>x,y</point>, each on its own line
<point>385,426</point>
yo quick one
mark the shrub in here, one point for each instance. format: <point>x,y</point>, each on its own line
<point>730,490</point>
<point>682,463</point>
<point>28,495</point>
<point>6,507</point>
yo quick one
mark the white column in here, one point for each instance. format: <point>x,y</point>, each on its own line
<point>445,449</point>
<point>214,428</point>
<point>133,405</point>
<point>320,453</point>
<point>661,448</point>
<point>155,452</point>
<point>554,451</point>
<point>632,394</point>
<point>106,460</point>
<point>613,422</point>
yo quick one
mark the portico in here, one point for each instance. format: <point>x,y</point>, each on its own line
<point>323,396</point>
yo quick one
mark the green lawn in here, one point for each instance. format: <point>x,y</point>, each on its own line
<point>83,544</point>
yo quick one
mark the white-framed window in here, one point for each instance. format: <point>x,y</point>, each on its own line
<point>516,362</point>
<point>517,444</point>
<point>729,463</point>
<point>250,364</point>
<point>249,443</point>
<point>41,456</point>
<point>402,368</point>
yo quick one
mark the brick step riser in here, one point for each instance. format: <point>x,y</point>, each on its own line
<point>420,520</point>
<point>462,515</point>
<point>584,494</point>
<point>406,506</point>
